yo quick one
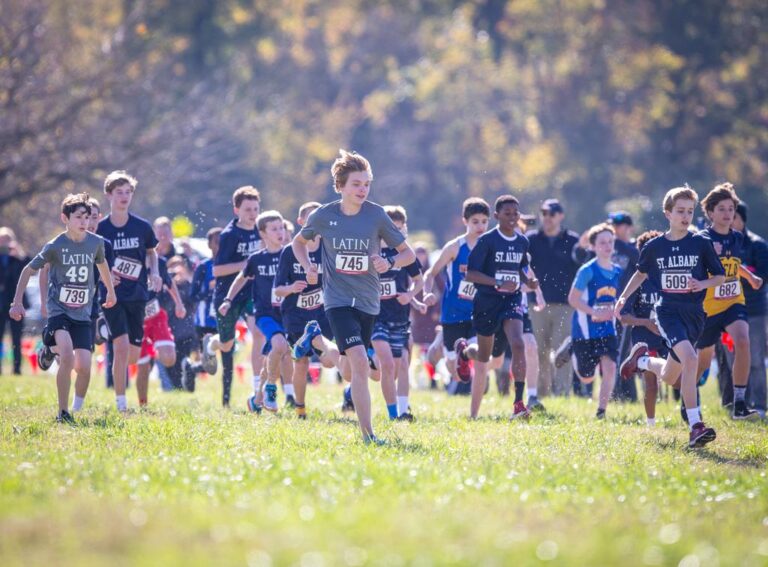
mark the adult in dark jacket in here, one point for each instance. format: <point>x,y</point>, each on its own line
<point>625,255</point>
<point>755,257</point>
<point>555,258</point>
<point>12,262</point>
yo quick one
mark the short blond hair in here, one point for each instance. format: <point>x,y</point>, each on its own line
<point>346,163</point>
<point>267,217</point>
<point>396,213</point>
<point>674,195</point>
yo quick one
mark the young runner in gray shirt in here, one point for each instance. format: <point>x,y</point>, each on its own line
<point>72,256</point>
<point>351,230</point>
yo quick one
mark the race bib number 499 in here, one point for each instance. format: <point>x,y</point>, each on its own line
<point>509,277</point>
<point>728,290</point>
<point>127,268</point>
<point>74,296</point>
<point>675,282</point>
<point>355,264</point>
<point>388,289</point>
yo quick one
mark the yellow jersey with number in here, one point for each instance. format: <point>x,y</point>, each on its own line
<point>731,292</point>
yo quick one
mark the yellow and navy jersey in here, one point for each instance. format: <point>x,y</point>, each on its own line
<point>728,248</point>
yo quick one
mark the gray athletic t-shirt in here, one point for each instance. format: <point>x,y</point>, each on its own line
<point>71,282</point>
<point>349,279</point>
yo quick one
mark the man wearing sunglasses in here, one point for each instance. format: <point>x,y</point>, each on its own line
<point>555,258</point>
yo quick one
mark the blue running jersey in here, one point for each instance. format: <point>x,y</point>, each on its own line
<point>599,287</point>
<point>457,299</point>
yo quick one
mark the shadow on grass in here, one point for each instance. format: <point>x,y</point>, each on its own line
<point>708,454</point>
<point>711,456</point>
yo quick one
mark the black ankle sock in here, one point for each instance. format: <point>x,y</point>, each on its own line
<point>227,363</point>
<point>519,388</point>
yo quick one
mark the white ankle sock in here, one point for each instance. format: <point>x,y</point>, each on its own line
<point>77,403</point>
<point>532,392</point>
<point>122,404</point>
<point>642,362</point>
<point>288,389</point>
<point>651,421</point>
<point>402,405</point>
<point>694,417</point>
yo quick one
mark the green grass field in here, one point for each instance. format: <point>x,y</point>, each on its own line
<point>189,483</point>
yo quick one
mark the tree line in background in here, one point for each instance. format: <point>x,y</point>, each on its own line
<point>601,104</point>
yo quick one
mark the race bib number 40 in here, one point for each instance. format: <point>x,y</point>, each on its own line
<point>356,264</point>
<point>311,300</point>
<point>388,289</point>
<point>728,290</point>
<point>74,296</point>
<point>127,268</point>
<point>675,282</point>
<point>467,290</point>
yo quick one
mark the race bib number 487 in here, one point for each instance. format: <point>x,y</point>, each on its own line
<point>356,264</point>
<point>127,268</point>
<point>675,282</point>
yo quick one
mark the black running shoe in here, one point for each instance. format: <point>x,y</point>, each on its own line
<point>742,413</point>
<point>65,417</point>
<point>45,357</point>
<point>290,401</point>
<point>407,416</point>
<point>188,375</point>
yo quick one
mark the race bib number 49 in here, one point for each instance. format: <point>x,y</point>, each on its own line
<point>728,290</point>
<point>311,300</point>
<point>675,282</point>
<point>74,296</point>
<point>127,268</point>
<point>467,290</point>
<point>356,264</point>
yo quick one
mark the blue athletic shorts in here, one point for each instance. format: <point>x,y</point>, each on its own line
<point>588,353</point>
<point>396,334</point>
<point>269,327</point>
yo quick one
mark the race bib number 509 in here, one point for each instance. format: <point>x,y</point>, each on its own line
<point>356,264</point>
<point>675,282</point>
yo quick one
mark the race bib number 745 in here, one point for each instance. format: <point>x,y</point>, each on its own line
<point>356,264</point>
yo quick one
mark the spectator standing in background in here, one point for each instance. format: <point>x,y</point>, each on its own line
<point>625,256</point>
<point>754,255</point>
<point>12,262</point>
<point>555,258</point>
